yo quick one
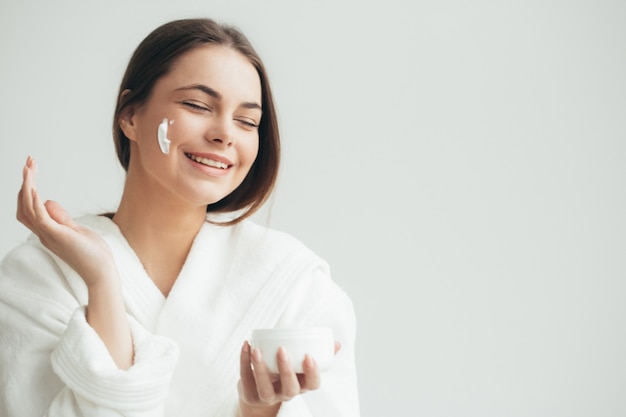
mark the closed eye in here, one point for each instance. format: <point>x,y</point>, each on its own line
<point>194,106</point>
<point>248,123</point>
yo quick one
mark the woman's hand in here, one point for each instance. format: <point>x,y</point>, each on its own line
<point>261,392</point>
<point>89,255</point>
<point>82,249</point>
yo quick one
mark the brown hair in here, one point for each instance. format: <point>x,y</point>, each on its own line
<point>154,58</point>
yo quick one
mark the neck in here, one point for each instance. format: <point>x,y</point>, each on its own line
<point>148,213</point>
<point>151,219</point>
<point>160,230</point>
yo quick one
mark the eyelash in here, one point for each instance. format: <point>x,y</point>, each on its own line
<point>248,124</point>
<point>197,107</point>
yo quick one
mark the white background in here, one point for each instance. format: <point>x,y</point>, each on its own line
<point>460,164</point>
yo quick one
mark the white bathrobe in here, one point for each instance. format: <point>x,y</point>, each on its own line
<point>187,345</point>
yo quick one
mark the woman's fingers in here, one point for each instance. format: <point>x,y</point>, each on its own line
<point>248,384</point>
<point>46,226</point>
<point>290,385</point>
<point>311,379</point>
<point>28,205</point>
<point>41,214</point>
<point>263,378</point>
<point>25,204</point>
<point>43,219</point>
<point>28,174</point>
<point>259,386</point>
<point>58,214</point>
<point>20,208</point>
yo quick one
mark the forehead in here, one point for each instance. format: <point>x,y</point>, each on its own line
<point>222,68</point>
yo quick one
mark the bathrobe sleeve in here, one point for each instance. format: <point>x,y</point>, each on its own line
<point>316,301</point>
<point>52,363</point>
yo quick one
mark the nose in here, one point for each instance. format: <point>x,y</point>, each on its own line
<point>226,142</point>
<point>220,131</point>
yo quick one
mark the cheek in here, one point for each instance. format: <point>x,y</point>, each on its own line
<point>251,151</point>
<point>149,134</point>
<point>182,126</point>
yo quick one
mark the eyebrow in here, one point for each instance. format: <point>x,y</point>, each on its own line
<point>211,92</point>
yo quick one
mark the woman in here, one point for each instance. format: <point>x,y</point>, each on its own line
<point>146,312</point>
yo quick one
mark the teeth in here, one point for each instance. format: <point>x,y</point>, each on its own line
<point>208,162</point>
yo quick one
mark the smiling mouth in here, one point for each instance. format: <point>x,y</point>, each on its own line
<point>206,161</point>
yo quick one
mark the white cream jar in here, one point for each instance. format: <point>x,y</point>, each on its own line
<point>317,342</point>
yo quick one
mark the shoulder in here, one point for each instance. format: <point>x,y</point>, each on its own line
<point>29,255</point>
<point>314,276</point>
<point>32,266</point>
<point>31,276</point>
<point>256,233</point>
<point>263,242</point>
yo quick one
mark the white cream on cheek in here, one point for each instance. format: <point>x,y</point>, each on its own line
<point>164,142</point>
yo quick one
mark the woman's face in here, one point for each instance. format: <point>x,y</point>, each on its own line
<point>213,96</point>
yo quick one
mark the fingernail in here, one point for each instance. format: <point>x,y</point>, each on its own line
<point>282,355</point>
<point>308,361</point>
<point>256,355</point>
<point>246,347</point>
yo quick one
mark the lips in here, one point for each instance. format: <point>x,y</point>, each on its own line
<point>213,161</point>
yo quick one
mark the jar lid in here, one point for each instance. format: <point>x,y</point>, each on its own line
<point>292,333</point>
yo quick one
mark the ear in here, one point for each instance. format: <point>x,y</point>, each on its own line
<point>127,119</point>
